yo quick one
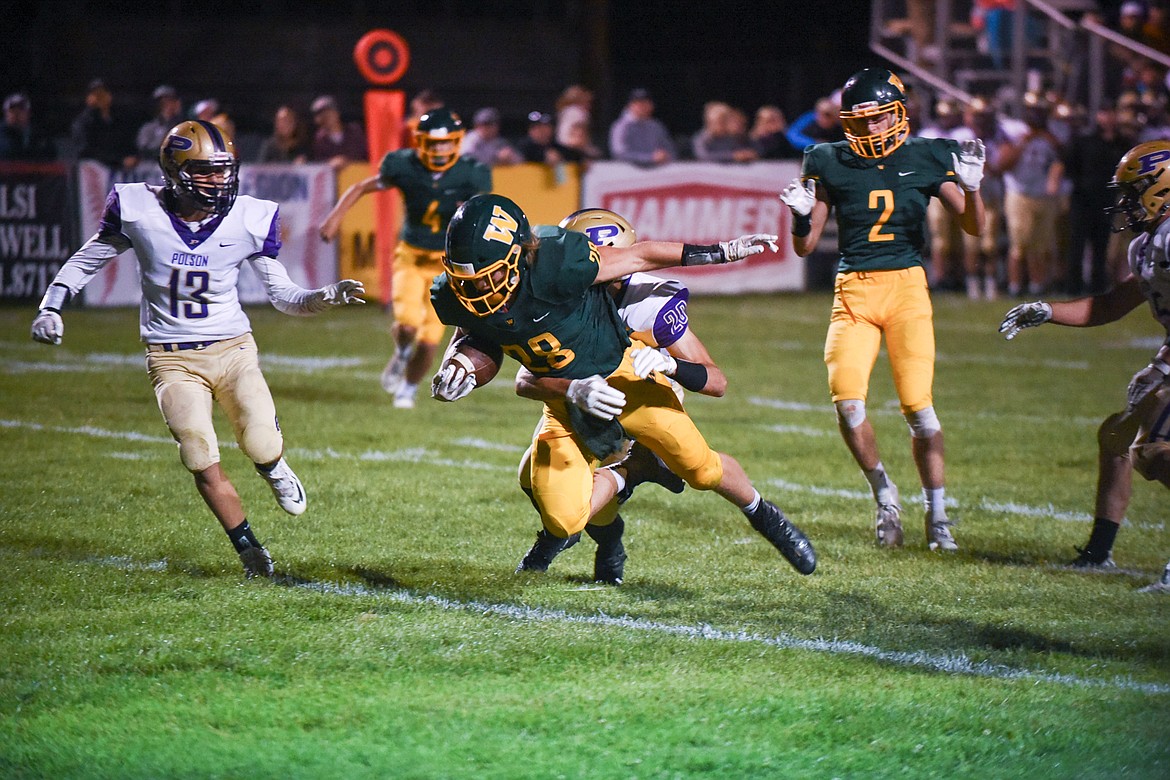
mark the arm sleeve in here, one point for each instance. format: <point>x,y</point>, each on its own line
<point>285,295</point>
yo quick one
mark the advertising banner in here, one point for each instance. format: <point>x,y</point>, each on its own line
<point>703,203</point>
<point>37,231</point>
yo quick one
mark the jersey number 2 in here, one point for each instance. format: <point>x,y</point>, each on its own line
<point>884,200</point>
<point>196,283</point>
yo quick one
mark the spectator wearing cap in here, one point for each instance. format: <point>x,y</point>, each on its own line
<point>335,142</point>
<point>637,137</point>
<point>539,146</point>
<point>19,140</point>
<point>484,143</point>
<point>100,134</point>
<point>168,113</point>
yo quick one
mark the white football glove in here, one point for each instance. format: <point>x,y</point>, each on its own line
<point>746,246</point>
<point>648,359</point>
<point>800,196</point>
<point>48,328</point>
<point>1026,315</point>
<point>452,383</point>
<point>1145,382</point>
<point>594,396</point>
<point>968,164</point>
<point>341,293</point>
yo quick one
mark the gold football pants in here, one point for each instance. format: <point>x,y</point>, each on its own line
<point>410,291</point>
<point>866,306</point>
<point>561,470</point>
<point>186,382</point>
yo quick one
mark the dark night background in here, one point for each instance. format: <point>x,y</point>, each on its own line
<point>515,54</point>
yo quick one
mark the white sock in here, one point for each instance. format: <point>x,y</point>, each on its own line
<point>754,504</point>
<point>880,483</point>
<point>407,390</point>
<point>935,501</point>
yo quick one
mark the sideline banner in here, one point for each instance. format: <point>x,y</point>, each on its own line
<point>305,194</point>
<point>702,203</point>
<point>37,230</point>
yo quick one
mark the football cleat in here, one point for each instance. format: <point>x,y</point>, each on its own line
<point>939,536</point>
<point>1092,561</point>
<point>609,562</point>
<point>784,536</point>
<point>257,562</point>
<point>289,492</point>
<point>394,374</point>
<point>642,465</point>
<point>1161,586</point>
<point>889,522</point>
<point>404,400</point>
<point>544,550</point>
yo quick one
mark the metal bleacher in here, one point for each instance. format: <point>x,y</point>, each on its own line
<point>1057,46</point>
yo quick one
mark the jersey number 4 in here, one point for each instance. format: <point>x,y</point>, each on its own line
<point>196,284</point>
<point>884,200</point>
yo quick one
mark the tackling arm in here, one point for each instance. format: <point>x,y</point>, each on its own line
<point>689,349</point>
<point>1094,310</point>
<point>616,262</point>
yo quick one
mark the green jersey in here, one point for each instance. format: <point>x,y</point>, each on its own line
<point>431,198</point>
<point>559,323</point>
<point>881,204</point>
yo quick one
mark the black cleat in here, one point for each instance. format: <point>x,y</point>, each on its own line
<point>642,465</point>
<point>609,563</point>
<point>786,537</point>
<point>1092,561</point>
<point>544,550</point>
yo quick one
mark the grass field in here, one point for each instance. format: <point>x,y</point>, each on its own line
<point>397,642</point>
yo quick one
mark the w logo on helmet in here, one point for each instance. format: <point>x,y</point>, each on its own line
<point>1148,162</point>
<point>501,227</point>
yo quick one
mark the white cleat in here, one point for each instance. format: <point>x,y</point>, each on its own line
<point>938,535</point>
<point>289,492</point>
<point>394,374</point>
<point>1161,586</point>
<point>404,401</point>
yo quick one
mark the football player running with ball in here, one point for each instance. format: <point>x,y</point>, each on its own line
<point>1138,437</point>
<point>880,181</point>
<point>434,179</point>
<point>654,311</point>
<point>539,295</point>
<point>191,236</point>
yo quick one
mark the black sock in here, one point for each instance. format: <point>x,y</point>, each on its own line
<point>242,537</point>
<point>1101,539</point>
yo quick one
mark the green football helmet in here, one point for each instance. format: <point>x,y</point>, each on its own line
<point>486,240</point>
<point>604,227</point>
<point>200,166</point>
<point>870,95</point>
<point>437,138</point>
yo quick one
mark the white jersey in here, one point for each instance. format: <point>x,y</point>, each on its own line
<point>189,273</point>
<point>654,309</point>
<point>1149,262</point>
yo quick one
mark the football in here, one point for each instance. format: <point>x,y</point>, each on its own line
<point>466,353</point>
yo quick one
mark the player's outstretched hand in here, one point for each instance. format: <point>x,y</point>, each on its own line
<point>594,396</point>
<point>452,383</point>
<point>1026,315</point>
<point>48,328</point>
<point>340,293</point>
<point>1143,383</point>
<point>647,360</point>
<point>800,196</point>
<point>968,164</point>
<point>746,246</point>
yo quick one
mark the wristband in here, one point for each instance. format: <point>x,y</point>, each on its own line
<point>801,225</point>
<point>55,297</point>
<point>702,254</point>
<point>1160,367</point>
<point>692,376</point>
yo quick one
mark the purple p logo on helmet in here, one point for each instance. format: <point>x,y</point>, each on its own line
<point>1151,160</point>
<point>601,235</point>
<point>178,143</point>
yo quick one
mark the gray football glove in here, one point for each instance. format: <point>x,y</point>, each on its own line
<point>1026,315</point>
